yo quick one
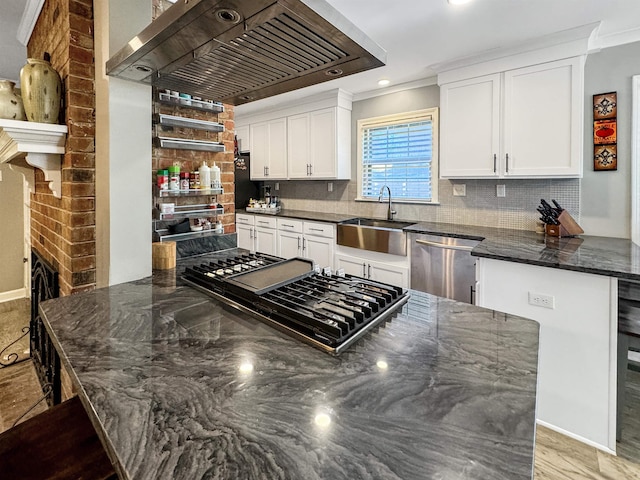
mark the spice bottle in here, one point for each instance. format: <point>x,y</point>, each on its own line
<point>184,181</point>
<point>163,180</point>
<point>174,178</point>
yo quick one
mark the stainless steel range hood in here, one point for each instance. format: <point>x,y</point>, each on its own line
<point>236,51</point>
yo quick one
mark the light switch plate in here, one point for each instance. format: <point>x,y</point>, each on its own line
<point>330,186</point>
<point>459,190</point>
<point>501,191</point>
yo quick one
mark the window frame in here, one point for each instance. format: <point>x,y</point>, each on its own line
<point>405,117</point>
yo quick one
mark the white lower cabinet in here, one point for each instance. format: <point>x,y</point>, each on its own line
<point>256,234</point>
<point>386,268</point>
<point>313,240</point>
<point>577,313</point>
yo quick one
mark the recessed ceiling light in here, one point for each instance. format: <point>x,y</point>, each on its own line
<point>384,82</point>
<point>458,2</point>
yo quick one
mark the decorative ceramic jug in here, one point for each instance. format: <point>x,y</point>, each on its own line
<point>41,90</point>
<point>10,102</point>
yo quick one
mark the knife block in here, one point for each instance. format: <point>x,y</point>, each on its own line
<point>567,227</point>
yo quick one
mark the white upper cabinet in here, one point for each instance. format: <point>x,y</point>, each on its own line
<point>470,127</point>
<point>307,140</point>
<point>319,144</point>
<point>242,133</point>
<point>525,122</point>
<point>268,150</point>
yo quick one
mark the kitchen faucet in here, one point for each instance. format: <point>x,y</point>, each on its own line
<point>390,212</point>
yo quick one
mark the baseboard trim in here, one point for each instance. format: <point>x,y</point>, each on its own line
<point>13,295</point>
<point>576,437</point>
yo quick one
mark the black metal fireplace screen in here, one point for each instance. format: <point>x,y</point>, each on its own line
<point>44,286</point>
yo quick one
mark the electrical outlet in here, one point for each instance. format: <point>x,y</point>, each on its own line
<point>501,191</point>
<point>330,186</point>
<point>541,300</point>
<point>277,186</point>
<point>459,190</point>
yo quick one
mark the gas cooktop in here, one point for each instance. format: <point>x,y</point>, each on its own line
<point>326,310</point>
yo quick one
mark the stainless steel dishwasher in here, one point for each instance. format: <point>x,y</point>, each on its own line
<point>443,266</point>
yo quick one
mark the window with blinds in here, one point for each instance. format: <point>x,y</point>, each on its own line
<point>399,151</point>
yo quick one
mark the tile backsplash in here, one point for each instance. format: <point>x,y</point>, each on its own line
<point>481,206</point>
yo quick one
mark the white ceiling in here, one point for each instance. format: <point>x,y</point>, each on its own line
<point>420,33</point>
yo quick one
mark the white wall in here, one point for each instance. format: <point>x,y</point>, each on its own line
<point>606,195</point>
<point>12,229</point>
<point>123,150</point>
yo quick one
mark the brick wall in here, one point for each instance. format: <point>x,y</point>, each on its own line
<point>63,230</point>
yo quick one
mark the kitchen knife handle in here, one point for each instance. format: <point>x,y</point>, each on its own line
<point>495,163</point>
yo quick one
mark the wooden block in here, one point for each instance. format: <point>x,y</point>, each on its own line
<point>163,255</point>
<point>569,224</point>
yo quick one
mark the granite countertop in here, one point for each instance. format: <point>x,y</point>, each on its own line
<point>181,386</point>
<point>614,257</point>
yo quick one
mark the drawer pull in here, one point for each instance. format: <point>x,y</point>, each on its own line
<point>445,246</point>
<point>316,229</point>
<point>286,225</point>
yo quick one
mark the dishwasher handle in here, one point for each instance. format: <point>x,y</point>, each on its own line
<point>444,245</point>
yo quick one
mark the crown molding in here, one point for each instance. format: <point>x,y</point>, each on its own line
<point>28,21</point>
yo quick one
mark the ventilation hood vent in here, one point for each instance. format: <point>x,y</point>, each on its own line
<point>236,51</point>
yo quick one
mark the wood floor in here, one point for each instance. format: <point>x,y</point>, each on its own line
<point>557,457</point>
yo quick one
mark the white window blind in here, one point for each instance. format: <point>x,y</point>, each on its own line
<point>398,152</point>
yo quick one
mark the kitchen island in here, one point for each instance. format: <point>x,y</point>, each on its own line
<point>182,386</point>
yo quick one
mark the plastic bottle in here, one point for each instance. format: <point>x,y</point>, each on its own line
<point>215,176</point>
<point>205,176</point>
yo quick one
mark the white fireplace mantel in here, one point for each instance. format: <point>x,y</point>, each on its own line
<point>40,145</point>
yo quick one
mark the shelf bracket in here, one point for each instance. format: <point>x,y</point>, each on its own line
<point>40,145</point>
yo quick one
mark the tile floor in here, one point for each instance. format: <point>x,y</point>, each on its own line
<point>556,457</point>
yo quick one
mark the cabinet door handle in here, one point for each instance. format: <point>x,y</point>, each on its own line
<point>507,156</point>
<point>267,171</point>
<point>369,272</point>
<point>304,244</point>
<point>298,243</point>
<point>310,169</point>
<point>251,233</point>
<point>364,271</point>
<point>495,163</point>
